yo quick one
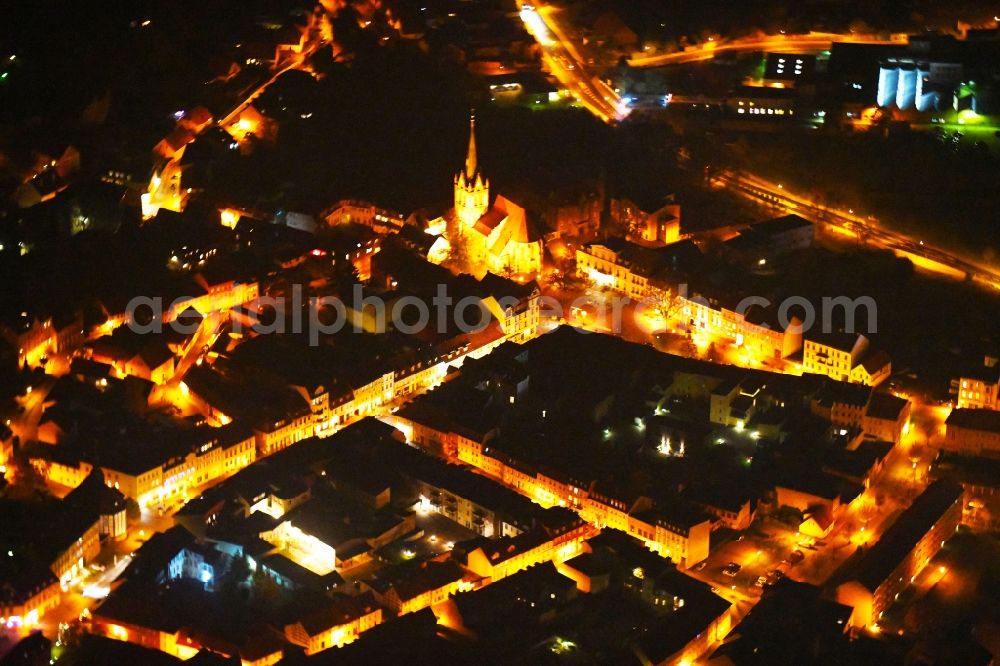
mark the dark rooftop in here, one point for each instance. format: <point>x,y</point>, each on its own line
<point>975,419</point>
<point>886,406</point>
<point>903,535</point>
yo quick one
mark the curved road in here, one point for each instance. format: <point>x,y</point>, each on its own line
<point>926,256</point>
<point>816,41</point>
<point>568,66</point>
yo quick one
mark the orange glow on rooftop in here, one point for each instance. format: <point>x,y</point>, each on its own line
<point>229,217</point>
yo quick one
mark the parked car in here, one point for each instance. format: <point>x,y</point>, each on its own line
<point>731,569</point>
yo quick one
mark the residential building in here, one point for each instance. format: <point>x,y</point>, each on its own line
<point>809,628</point>
<point>887,417</point>
<point>973,432</point>
<point>980,387</point>
<point>874,368</point>
<point>893,563</point>
<point>732,508</point>
<point>335,625</point>
<point>47,545</point>
<point>841,403</point>
<point>721,316</point>
<point>651,221</point>
<point>634,270</point>
<point>833,355</point>
<point>408,589</point>
<point>498,558</point>
<point>172,463</point>
<point>845,357</point>
<point>677,531</point>
<point>348,211</point>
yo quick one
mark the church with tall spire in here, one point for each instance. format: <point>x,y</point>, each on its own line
<point>472,190</point>
<point>497,238</point>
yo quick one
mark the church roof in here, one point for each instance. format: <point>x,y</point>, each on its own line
<point>490,220</point>
<point>518,227</point>
<point>521,229</point>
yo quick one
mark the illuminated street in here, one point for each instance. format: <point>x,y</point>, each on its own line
<point>499,333</point>
<point>780,43</point>
<point>867,229</point>
<point>568,66</point>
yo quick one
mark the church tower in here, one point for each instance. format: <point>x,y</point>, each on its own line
<point>472,191</point>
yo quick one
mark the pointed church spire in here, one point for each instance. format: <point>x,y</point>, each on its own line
<point>470,158</point>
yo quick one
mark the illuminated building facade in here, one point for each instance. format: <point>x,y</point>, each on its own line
<point>497,239</point>
<point>24,605</point>
<point>130,354</point>
<point>979,389</point>
<point>165,191</point>
<point>887,418</point>
<point>276,435</point>
<point>973,432</point>
<point>684,537</point>
<point>213,297</point>
<point>160,476</point>
<point>71,562</point>
<point>604,264</point>
<point>834,357</point>
<point>652,223</point>
<point>519,322</point>
<point>35,338</point>
<point>422,585</point>
<point>874,368</point>
<point>379,219</point>
<point>916,85</point>
<point>978,394</point>
<point>302,548</point>
<point>894,562</point>
<point>336,625</point>
<point>711,319</point>
<point>845,357</point>
<point>509,555</point>
<point>46,549</point>
<point>673,532</point>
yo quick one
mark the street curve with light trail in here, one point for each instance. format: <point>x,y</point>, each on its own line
<point>922,254</point>
<point>811,42</point>
<point>569,66</point>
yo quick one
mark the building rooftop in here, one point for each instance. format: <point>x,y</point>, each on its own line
<point>983,372</point>
<point>340,609</point>
<point>844,342</point>
<point>526,595</point>
<point>781,225</point>
<point>414,578</point>
<point>791,624</point>
<point>987,420</point>
<point>875,360</point>
<point>414,638</point>
<point>886,406</point>
<point>904,534</point>
<point>854,395</point>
